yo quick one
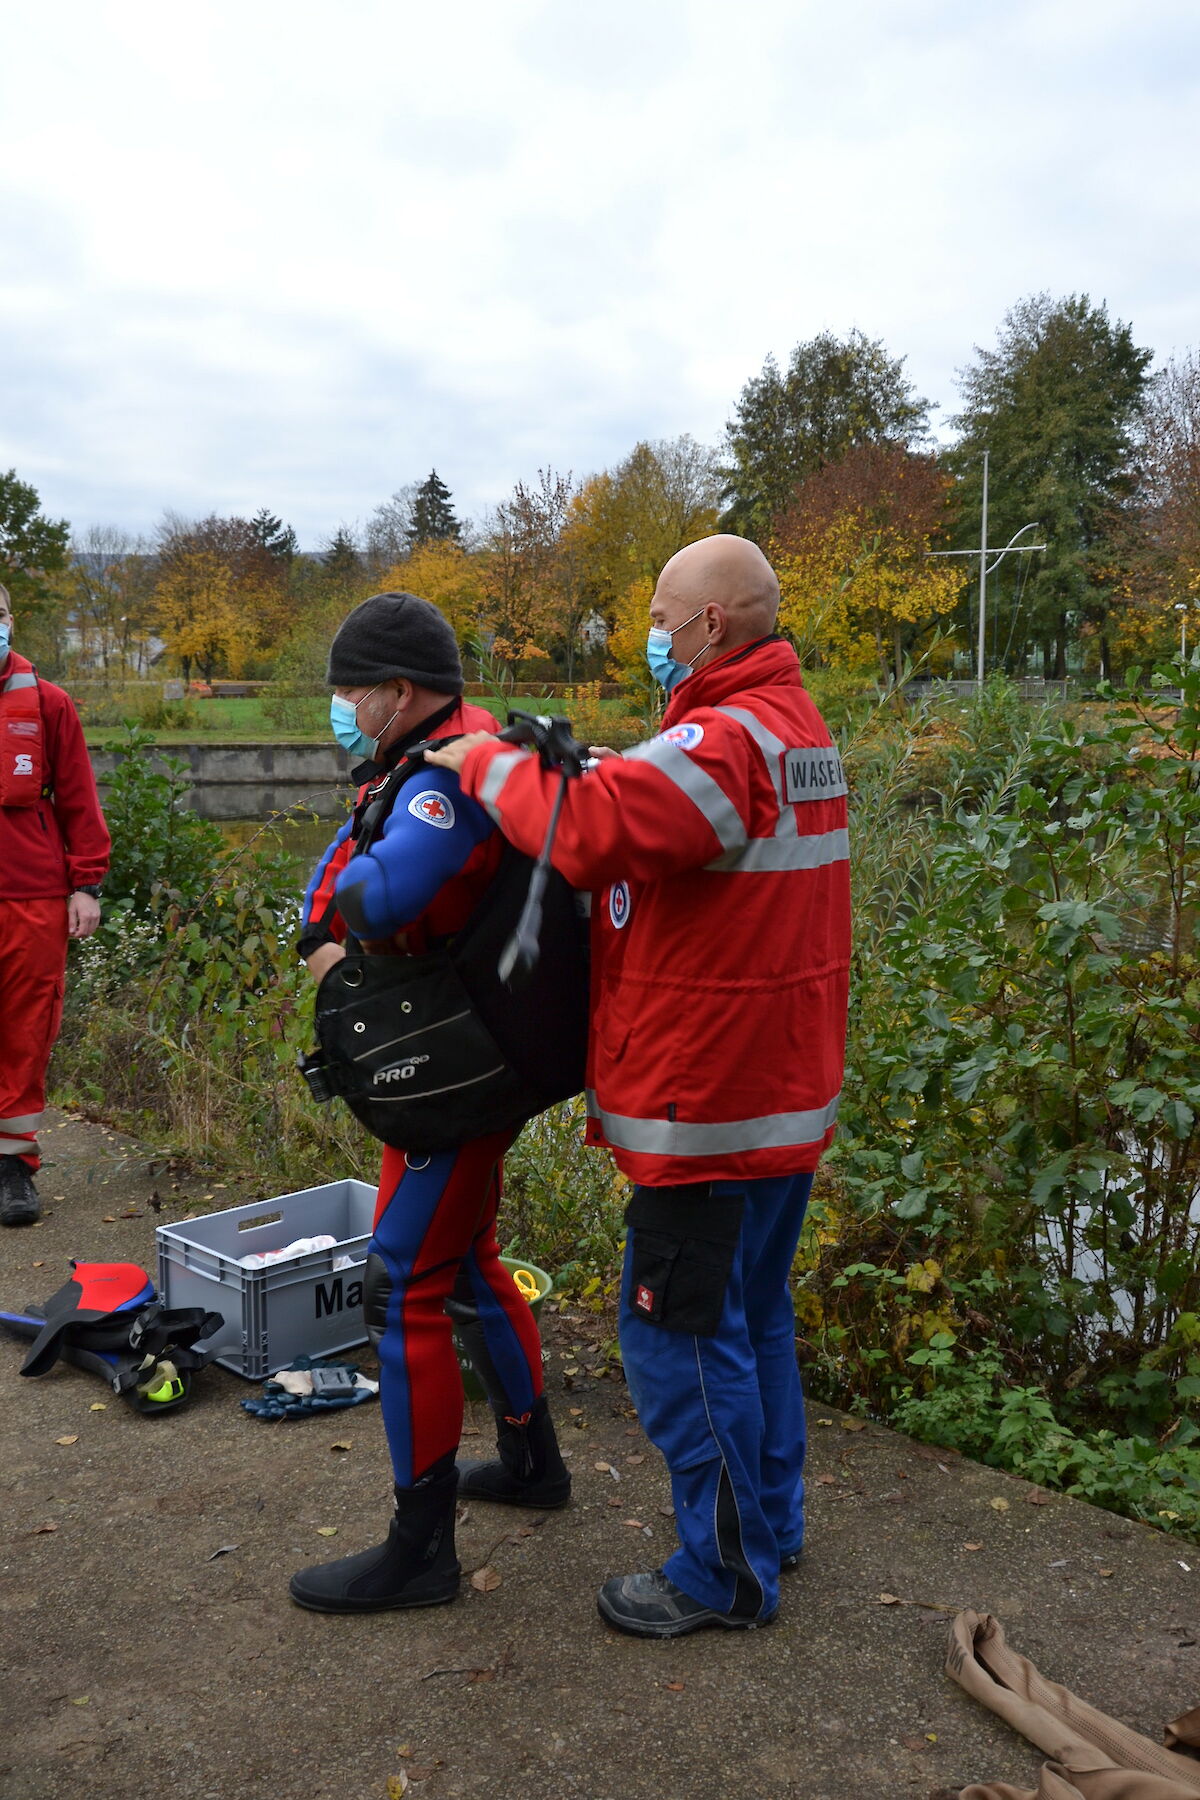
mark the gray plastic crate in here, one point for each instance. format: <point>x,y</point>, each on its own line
<point>302,1307</point>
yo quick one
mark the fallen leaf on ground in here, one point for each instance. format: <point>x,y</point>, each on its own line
<point>999,1504</point>
<point>422,1771</point>
<point>914,1743</point>
<point>397,1786</point>
<point>575,1411</point>
<point>98,1406</point>
<point>41,1265</point>
<point>1037,1497</point>
<point>636,1523</point>
<point>633,1461</point>
<point>342,1444</point>
<point>327,1530</point>
<point>404,1750</point>
<point>825,1481</point>
<point>890,1600</point>
<point>854,1424</point>
<point>673,1687</point>
<point>485,1580</point>
<point>39,1529</point>
<point>223,1551</point>
<point>617,1501</point>
<point>83,1700</point>
<point>1106,1572</point>
<point>68,1440</point>
<point>972,1546</point>
<point>824,1421</point>
<point>603,1467</point>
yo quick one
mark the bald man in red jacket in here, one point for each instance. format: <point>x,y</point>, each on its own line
<point>54,849</point>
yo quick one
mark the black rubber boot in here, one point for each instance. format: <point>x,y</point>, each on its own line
<point>19,1204</point>
<point>415,1567</point>
<point>530,1470</point>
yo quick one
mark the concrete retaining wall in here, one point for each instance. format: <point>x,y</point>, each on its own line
<point>269,765</point>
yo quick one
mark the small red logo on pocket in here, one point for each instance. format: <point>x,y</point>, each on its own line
<point>645,1300</point>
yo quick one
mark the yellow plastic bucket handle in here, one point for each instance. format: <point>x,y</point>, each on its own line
<point>529,1285</point>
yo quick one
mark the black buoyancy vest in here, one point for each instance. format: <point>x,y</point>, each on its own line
<point>432,1050</point>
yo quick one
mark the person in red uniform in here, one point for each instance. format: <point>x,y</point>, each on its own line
<point>717,856</point>
<point>54,849</point>
<point>397,680</point>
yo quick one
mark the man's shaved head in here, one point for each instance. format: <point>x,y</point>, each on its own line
<point>728,574</point>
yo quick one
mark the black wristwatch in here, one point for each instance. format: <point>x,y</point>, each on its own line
<point>95,890</point>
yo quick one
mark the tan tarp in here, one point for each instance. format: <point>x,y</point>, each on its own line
<point>1092,1757</point>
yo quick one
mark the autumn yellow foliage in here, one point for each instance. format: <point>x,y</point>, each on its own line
<point>847,593</point>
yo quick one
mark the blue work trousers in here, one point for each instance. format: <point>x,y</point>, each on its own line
<point>727,1411</point>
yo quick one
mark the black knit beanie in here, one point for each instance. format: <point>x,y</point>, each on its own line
<point>393,635</point>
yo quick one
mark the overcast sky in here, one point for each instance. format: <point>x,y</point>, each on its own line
<point>296,254</point>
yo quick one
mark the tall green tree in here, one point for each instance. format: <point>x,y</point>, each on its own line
<point>433,515</point>
<point>340,556</point>
<point>276,538</point>
<point>834,395</point>
<point>33,554</point>
<point>32,547</point>
<point>1056,403</point>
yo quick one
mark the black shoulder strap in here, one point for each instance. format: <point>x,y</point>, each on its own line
<point>373,812</point>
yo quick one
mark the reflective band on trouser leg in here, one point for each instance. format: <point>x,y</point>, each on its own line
<point>18,1143</point>
<point>698,1400</point>
<point>673,1137</point>
<point>427,1216</point>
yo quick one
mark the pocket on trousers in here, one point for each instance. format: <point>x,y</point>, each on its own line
<point>682,1246</point>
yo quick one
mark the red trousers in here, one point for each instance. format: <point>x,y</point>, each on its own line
<point>33,960</point>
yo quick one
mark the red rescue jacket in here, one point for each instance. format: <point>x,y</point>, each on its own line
<point>718,857</point>
<point>53,838</point>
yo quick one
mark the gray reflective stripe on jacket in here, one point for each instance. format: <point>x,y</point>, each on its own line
<point>788,848</point>
<point>705,794</point>
<point>498,771</point>
<point>19,680</point>
<point>671,1137</point>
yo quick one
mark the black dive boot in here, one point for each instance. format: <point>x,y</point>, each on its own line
<point>415,1567</point>
<point>530,1470</point>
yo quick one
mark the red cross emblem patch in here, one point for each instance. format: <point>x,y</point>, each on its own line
<point>432,808</point>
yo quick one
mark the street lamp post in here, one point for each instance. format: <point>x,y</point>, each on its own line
<point>985,570</point>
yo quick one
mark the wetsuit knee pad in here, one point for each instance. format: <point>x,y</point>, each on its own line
<point>377,1291</point>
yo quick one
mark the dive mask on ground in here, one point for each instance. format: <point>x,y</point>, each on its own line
<point>343,717</point>
<point>663,666</point>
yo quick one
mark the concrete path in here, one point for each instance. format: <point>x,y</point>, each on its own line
<point>138,1663</point>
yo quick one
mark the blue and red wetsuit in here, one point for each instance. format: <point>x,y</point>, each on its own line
<point>435,1219</point>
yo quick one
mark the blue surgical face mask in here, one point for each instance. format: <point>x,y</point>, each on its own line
<point>663,666</point>
<point>343,716</point>
<point>5,638</point>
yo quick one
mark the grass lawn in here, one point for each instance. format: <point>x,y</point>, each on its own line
<point>255,721</point>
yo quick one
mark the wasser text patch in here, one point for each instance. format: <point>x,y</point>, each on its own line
<point>815,773</point>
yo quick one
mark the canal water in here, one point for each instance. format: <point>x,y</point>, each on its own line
<point>301,828</point>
